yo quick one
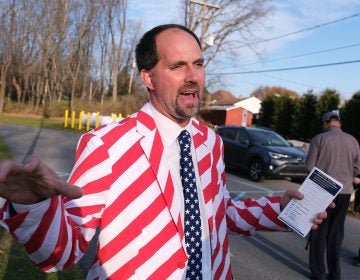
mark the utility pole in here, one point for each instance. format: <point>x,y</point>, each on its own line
<point>190,9</point>
<point>205,3</point>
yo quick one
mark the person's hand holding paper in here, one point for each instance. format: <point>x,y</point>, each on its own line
<point>307,206</point>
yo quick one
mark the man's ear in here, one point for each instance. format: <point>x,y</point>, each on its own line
<point>146,77</point>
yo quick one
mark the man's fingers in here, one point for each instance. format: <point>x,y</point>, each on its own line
<point>7,167</point>
<point>319,219</point>
<point>294,194</point>
<point>70,191</point>
<point>31,163</point>
<point>289,194</point>
<point>314,226</point>
<point>298,195</point>
<point>33,181</point>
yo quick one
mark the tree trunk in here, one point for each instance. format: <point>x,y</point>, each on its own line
<point>3,74</point>
<point>17,89</point>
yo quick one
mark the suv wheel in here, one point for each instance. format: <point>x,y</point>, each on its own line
<point>256,172</point>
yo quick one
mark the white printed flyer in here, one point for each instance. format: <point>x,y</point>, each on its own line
<point>319,190</point>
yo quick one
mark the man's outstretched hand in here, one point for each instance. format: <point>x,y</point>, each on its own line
<point>32,182</point>
<point>289,194</point>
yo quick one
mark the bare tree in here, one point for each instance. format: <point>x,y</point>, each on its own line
<point>44,92</point>
<point>80,46</point>
<point>7,28</point>
<point>117,24</point>
<point>127,75</point>
<point>58,66</point>
<point>225,26</point>
<point>24,50</point>
<point>51,50</point>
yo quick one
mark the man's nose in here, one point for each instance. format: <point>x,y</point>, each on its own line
<point>193,74</point>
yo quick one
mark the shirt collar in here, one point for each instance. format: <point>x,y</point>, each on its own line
<point>168,129</point>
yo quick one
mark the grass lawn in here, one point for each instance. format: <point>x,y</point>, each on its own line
<point>36,121</point>
<point>4,151</point>
<point>14,263</point>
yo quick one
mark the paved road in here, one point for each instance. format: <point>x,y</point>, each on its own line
<point>268,255</point>
<point>56,147</point>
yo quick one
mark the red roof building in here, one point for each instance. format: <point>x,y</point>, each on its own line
<point>238,113</point>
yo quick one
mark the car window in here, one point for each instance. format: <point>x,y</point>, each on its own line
<point>242,137</point>
<point>257,138</point>
<point>230,133</point>
<point>267,138</point>
<point>277,140</point>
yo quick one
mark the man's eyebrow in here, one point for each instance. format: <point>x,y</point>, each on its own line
<point>177,62</point>
<point>201,60</point>
<point>183,62</point>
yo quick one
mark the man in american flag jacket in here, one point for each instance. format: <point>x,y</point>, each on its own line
<point>125,182</point>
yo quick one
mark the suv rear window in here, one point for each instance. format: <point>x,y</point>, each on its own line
<point>267,138</point>
<point>230,133</point>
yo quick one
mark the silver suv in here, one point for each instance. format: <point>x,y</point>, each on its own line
<point>261,153</point>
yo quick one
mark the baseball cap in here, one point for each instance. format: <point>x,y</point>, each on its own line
<point>331,116</point>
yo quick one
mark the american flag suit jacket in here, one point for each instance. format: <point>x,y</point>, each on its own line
<point>129,195</point>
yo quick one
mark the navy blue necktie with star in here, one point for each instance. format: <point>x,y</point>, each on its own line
<point>192,222</point>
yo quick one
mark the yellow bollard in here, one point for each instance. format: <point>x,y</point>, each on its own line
<point>66,118</point>
<point>81,114</point>
<point>120,115</point>
<point>88,122</point>
<point>97,119</point>
<point>72,119</point>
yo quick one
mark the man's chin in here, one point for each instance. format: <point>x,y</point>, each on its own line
<point>188,110</point>
<point>191,111</point>
<point>187,114</point>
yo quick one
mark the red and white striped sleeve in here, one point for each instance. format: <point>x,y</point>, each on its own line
<point>249,215</point>
<point>57,231</point>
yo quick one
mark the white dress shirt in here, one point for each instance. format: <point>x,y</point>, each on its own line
<point>169,132</point>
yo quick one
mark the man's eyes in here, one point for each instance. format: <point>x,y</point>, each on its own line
<point>199,64</point>
<point>179,66</point>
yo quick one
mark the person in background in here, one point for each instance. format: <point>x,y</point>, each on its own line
<point>337,154</point>
<point>137,181</point>
<point>356,259</point>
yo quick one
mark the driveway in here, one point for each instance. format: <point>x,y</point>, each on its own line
<point>56,148</point>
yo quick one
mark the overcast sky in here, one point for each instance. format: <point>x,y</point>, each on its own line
<point>323,43</point>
